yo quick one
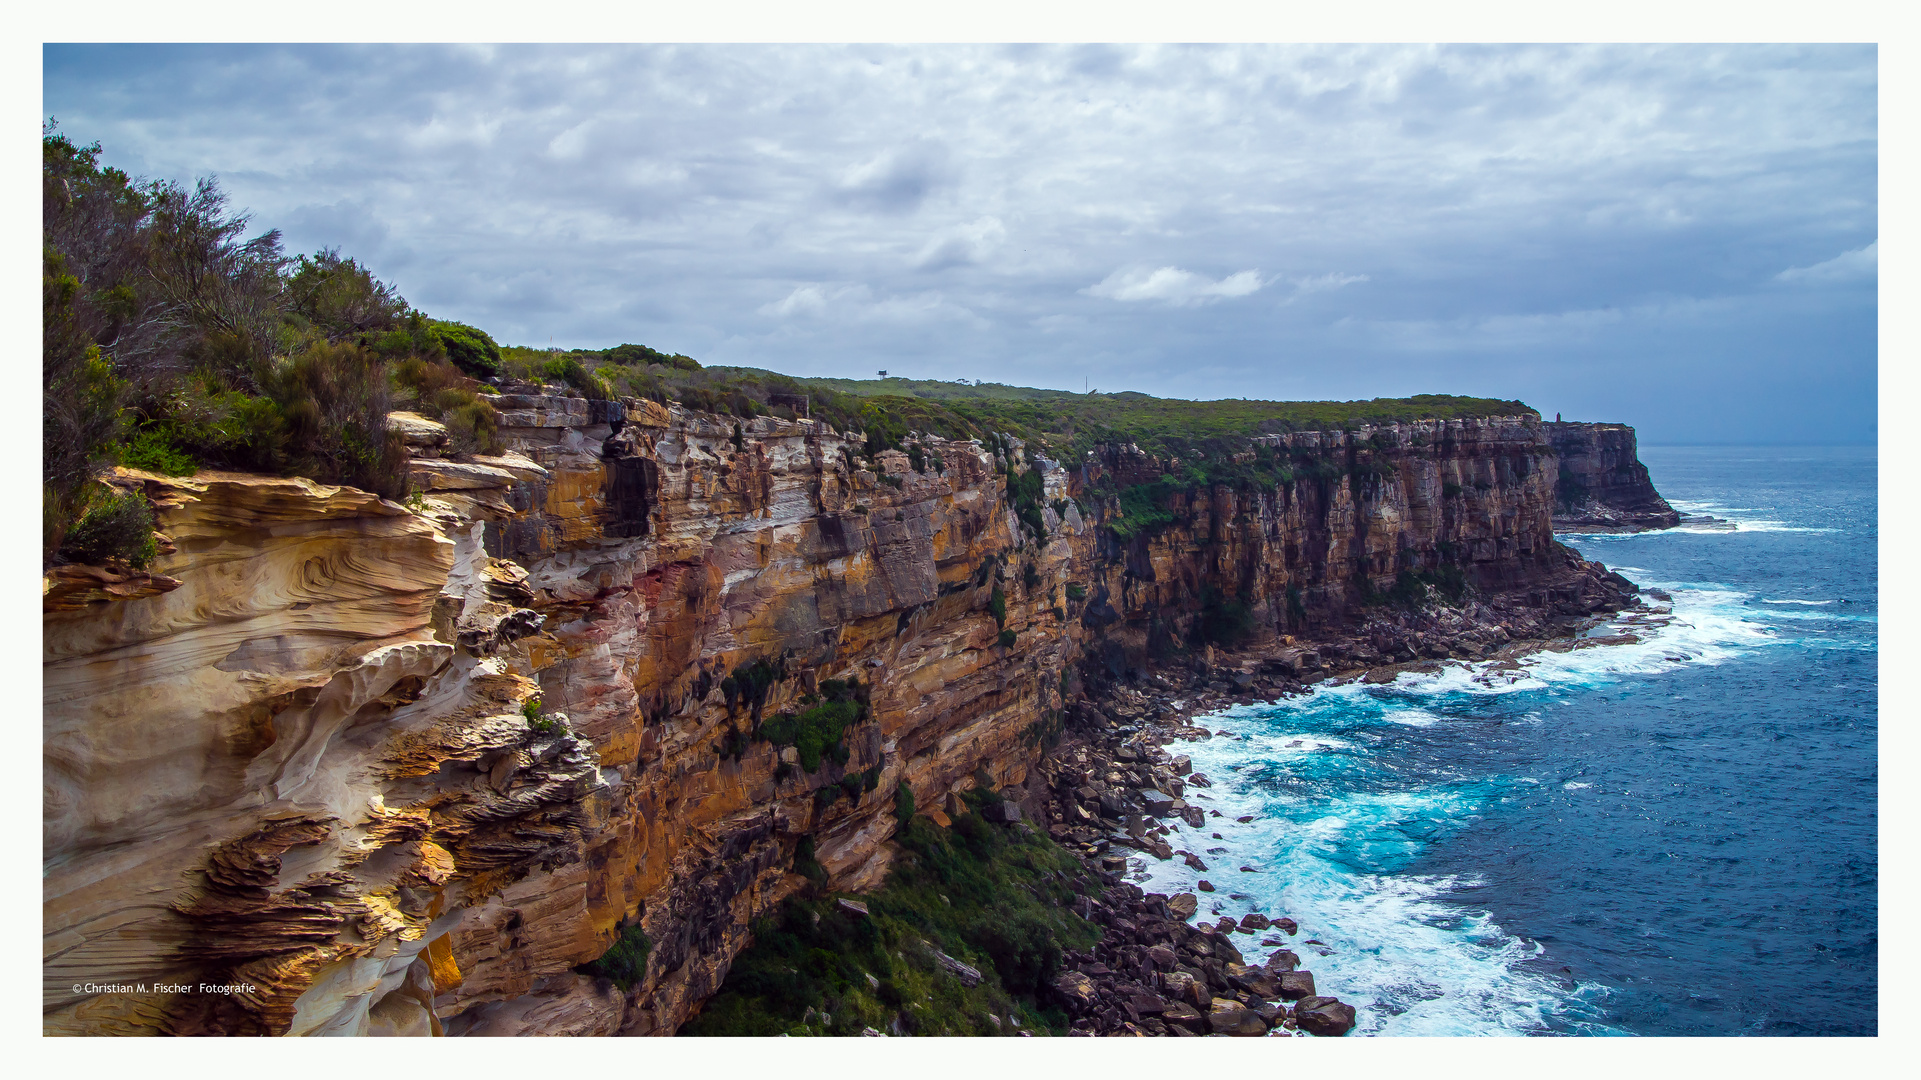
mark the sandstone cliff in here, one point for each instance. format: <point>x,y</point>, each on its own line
<point>1602,485</point>
<point>404,769</point>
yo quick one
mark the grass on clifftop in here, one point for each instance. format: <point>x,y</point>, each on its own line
<point>1067,423</point>
<point>1063,423</point>
<point>991,896</point>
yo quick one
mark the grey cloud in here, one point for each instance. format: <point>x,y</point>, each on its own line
<point>1410,219</point>
<point>895,180</point>
<point>962,245</point>
<point>1862,264</point>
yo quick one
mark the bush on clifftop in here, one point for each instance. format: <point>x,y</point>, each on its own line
<point>118,527</point>
<point>469,347</point>
<point>172,339</point>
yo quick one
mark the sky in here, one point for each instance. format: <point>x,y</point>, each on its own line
<point>1681,238</point>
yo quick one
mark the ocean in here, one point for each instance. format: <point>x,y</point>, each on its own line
<point>1675,837</point>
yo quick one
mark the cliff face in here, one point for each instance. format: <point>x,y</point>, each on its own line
<point>306,760</point>
<point>1602,485</point>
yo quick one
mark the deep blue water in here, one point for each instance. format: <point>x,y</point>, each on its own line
<point>1675,837</point>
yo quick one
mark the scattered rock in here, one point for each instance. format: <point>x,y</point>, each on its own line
<point>1324,1016</point>
<point>1295,985</point>
<point>1077,988</point>
<point>1184,1017</point>
<point>852,907</point>
<point>1005,812</point>
<point>1282,960</point>
<point>1183,905</point>
<point>1232,1018</point>
<point>969,975</point>
<point>1206,886</point>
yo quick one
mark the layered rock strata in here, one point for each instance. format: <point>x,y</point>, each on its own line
<point>405,769</point>
<point>1602,485</point>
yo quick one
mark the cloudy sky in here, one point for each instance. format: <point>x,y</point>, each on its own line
<point>1679,238</point>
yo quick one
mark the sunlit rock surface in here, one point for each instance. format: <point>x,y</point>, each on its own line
<point>300,754</point>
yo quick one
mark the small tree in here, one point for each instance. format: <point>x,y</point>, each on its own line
<point>342,299</point>
<point>476,353</point>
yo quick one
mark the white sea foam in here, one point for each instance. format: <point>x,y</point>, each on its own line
<point>1810,603</point>
<point>1767,526</point>
<point>1819,616</point>
<point>1409,961</point>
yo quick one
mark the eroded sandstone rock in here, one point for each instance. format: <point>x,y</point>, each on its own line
<point>408,771</point>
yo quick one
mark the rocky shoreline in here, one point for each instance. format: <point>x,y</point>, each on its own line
<point>1161,967</point>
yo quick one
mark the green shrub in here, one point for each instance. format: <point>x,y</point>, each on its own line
<point>1450,489</point>
<point>1143,510</point>
<point>117,527</point>
<point>81,418</point>
<point>473,426</point>
<point>439,390</point>
<point>806,865</point>
<point>1006,639</point>
<point>153,449</point>
<point>903,802</point>
<point>469,347</point>
<point>820,729</point>
<point>538,721</point>
<point>997,606</point>
<point>1076,592</point>
<point>569,372</point>
<point>334,400</point>
<point>813,730</point>
<point>752,682</point>
<point>641,356</point>
<point>624,962</point>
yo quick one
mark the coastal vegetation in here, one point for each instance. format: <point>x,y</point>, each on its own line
<point>962,939</point>
<point>176,338</point>
<point>172,339</point>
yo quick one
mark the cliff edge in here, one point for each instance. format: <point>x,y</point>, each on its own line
<point>414,769</point>
<point>1602,485</point>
